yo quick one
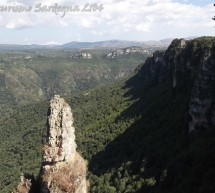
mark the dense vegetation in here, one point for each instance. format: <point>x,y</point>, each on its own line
<point>133,133</point>
<point>135,140</point>
<point>34,75</point>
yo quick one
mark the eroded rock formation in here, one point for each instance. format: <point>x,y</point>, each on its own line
<point>126,51</point>
<point>187,63</point>
<point>63,170</point>
<point>61,144</point>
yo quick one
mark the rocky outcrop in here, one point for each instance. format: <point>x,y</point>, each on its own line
<point>24,185</point>
<point>86,55</point>
<point>83,55</point>
<point>61,144</point>
<point>126,51</point>
<point>187,62</point>
<point>63,170</point>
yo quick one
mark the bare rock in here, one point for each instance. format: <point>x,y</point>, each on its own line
<point>64,170</point>
<point>24,186</point>
<point>61,140</point>
<point>126,51</point>
<point>65,177</point>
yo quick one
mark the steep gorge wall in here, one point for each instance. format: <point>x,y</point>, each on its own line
<point>182,63</point>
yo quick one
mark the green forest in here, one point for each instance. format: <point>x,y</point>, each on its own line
<point>29,76</point>
<point>133,134</point>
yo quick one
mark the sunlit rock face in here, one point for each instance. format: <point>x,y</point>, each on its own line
<point>126,51</point>
<point>63,169</point>
<point>61,144</point>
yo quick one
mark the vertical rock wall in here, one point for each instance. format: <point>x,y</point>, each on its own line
<point>187,63</point>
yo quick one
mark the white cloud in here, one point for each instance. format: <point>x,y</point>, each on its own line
<point>118,16</point>
<point>143,26</point>
<point>97,33</point>
<point>84,22</point>
<point>52,43</point>
<point>18,24</point>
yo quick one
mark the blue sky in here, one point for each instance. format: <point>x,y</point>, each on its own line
<point>196,2</point>
<point>120,19</point>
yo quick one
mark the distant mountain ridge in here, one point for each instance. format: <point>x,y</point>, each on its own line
<point>108,43</point>
<point>97,44</point>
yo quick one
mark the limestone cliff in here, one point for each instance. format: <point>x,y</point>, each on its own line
<point>126,51</point>
<point>82,55</point>
<point>63,170</point>
<point>187,62</point>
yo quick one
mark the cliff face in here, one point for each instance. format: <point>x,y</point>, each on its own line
<point>126,51</point>
<point>182,63</point>
<point>202,107</point>
<point>64,170</point>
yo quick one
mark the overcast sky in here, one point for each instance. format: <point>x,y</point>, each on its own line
<point>139,20</point>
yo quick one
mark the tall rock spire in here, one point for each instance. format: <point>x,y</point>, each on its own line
<point>63,170</point>
<point>61,144</point>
